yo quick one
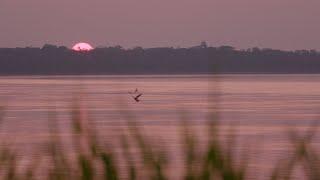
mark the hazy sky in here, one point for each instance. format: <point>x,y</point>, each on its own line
<point>284,24</point>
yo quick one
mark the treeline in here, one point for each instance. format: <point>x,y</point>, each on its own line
<point>54,60</point>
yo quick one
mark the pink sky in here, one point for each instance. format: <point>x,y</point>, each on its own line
<point>282,24</point>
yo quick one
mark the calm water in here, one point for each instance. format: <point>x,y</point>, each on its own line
<point>261,107</point>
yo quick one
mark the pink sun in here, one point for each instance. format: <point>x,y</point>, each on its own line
<point>82,47</point>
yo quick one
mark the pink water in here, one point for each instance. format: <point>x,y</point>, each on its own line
<point>261,107</point>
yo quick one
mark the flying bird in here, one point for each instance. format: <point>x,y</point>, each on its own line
<point>136,95</point>
<point>136,98</point>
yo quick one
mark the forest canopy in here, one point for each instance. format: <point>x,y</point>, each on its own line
<point>59,60</point>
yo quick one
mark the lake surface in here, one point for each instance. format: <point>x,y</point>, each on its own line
<point>262,108</point>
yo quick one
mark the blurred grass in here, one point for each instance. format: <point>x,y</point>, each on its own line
<point>95,159</point>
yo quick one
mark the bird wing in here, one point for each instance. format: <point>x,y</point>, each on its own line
<point>138,96</point>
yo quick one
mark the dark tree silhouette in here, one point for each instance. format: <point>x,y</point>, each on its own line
<point>51,59</point>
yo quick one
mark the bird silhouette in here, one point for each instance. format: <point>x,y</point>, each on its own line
<point>136,98</point>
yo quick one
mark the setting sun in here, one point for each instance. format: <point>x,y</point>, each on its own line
<point>82,47</point>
